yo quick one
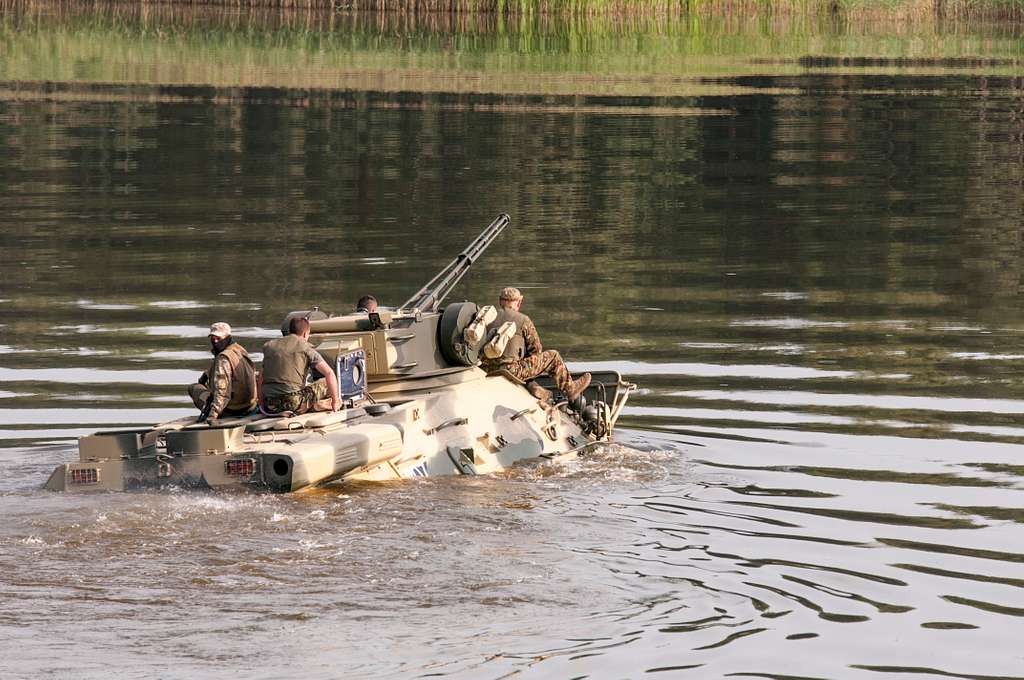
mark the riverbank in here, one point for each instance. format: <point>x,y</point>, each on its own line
<point>126,43</point>
<point>453,54</point>
<point>1009,10</point>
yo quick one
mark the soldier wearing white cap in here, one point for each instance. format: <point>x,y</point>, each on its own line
<point>228,386</point>
<point>523,355</point>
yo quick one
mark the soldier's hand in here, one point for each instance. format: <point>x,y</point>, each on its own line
<point>203,379</point>
<point>205,413</point>
<point>335,404</point>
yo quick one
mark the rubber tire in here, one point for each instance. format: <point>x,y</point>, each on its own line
<point>454,320</point>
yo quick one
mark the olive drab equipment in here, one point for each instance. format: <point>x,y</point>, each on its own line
<point>476,331</point>
<point>499,341</point>
<point>504,337</point>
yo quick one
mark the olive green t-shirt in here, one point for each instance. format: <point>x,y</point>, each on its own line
<point>286,361</point>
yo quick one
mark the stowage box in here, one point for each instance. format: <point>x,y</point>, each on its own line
<point>115,444</point>
<point>204,440</point>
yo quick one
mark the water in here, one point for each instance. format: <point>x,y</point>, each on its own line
<point>802,241</point>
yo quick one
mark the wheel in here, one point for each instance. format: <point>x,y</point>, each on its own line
<point>454,320</point>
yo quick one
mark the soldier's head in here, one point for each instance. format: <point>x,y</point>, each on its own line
<point>300,327</point>
<point>510,298</point>
<point>220,336</point>
<point>367,304</point>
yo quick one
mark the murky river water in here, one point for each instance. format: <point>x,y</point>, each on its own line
<point>803,243</point>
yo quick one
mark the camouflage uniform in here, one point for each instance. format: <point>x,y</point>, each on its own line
<point>302,401</point>
<point>286,361</point>
<point>230,385</point>
<point>525,357</point>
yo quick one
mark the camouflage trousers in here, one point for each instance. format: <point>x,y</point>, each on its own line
<point>549,362</point>
<point>200,393</point>
<point>303,401</point>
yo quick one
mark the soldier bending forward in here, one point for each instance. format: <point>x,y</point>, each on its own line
<point>228,386</point>
<point>282,383</point>
<point>524,357</point>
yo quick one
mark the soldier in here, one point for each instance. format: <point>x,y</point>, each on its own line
<point>523,356</point>
<point>228,387</point>
<point>367,304</point>
<point>282,383</point>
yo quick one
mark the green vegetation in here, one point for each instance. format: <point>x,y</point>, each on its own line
<point>633,8</point>
<point>473,53</point>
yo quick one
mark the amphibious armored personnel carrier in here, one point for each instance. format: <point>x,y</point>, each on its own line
<point>416,405</point>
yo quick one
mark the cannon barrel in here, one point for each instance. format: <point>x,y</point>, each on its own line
<point>429,297</point>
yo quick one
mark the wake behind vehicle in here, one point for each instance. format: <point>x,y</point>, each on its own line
<point>416,405</point>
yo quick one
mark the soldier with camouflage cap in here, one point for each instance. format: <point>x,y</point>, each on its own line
<point>524,356</point>
<point>228,386</point>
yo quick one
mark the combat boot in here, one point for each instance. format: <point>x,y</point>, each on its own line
<point>538,392</point>
<point>577,387</point>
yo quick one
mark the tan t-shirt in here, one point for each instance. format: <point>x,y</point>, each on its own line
<point>286,361</point>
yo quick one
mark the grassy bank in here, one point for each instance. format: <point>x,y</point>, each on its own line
<point>136,43</point>
<point>895,9</point>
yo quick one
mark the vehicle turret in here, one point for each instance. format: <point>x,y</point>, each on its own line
<point>419,339</point>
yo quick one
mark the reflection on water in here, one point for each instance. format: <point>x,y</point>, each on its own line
<point>805,247</point>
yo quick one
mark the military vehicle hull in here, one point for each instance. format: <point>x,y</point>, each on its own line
<point>418,406</point>
<point>460,423</point>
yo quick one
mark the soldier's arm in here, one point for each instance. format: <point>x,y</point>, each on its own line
<point>220,387</point>
<point>532,339</point>
<point>332,383</point>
